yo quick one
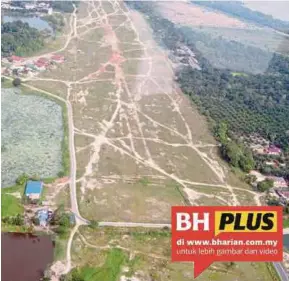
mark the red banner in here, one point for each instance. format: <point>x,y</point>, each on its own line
<point>204,235</point>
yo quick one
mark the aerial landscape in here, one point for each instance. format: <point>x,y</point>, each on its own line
<point>115,111</point>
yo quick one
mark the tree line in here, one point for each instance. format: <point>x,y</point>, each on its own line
<point>249,103</point>
<point>18,38</point>
<point>237,9</point>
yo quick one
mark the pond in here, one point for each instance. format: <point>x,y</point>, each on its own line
<point>35,22</point>
<point>32,134</point>
<point>25,256</point>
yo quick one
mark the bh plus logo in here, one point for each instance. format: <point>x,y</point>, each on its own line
<point>207,234</point>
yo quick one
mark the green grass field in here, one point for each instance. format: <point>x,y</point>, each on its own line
<point>10,204</point>
<point>109,271</point>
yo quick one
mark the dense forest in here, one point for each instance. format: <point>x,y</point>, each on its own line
<point>246,103</point>
<point>20,39</point>
<point>64,6</point>
<point>237,9</point>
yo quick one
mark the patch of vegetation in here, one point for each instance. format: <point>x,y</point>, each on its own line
<point>239,74</point>
<point>10,205</point>
<point>56,21</point>
<point>20,39</point>
<point>60,244</point>
<point>252,104</point>
<point>110,271</point>
<point>61,221</point>
<point>237,9</point>
<point>233,152</point>
<point>49,180</point>
<point>93,224</point>
<point>272,271</point>
<point>228,54</point>
<point>265,185</point>
<point>6,83</point>
<point>12,209</point>
<point>144,181</point>
<point>16,82</point>
<point>64,6</point>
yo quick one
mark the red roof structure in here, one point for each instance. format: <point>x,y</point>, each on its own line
<point>15,58</point>
<point>57,57</point>
<point>272,149</point>
<point>40,64</point>
<point>43,60</point>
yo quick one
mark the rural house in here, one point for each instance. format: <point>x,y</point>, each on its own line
<point>278,182</point>
<point>272,150</point>
<point>33,189</point>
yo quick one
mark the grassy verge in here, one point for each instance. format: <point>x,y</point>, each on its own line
<point>272,271</point>
<point>109,271</point>
<point>60,244</point>
<point>6,83</point>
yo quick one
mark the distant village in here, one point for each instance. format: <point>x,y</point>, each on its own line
<point>29,67</point>
<point>274,157</point>
<point>37,7</point>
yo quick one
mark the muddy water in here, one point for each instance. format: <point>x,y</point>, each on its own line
<point>25,256</point>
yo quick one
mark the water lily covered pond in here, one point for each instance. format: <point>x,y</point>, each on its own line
<point>32,132</point>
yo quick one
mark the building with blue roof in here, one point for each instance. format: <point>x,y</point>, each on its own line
<point>43,217</point>
<point>33,189</point>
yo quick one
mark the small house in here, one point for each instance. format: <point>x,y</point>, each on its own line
<point>278,182</point>
<point>272,150</point>
<point>43,61</point>
<point>44,216</point>
<point>15,59</point>
<point>58,58</point>
<point>33,189</point>
<point>40,66</point>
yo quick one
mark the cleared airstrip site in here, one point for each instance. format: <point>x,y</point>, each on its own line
<point>139,144</point>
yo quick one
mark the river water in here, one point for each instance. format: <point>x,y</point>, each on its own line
<point>25,257</point>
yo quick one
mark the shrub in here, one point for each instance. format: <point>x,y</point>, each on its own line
<point>16,82</point>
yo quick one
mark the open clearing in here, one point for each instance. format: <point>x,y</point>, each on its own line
<point>143,254</point>
<point>140,144</point>
<point>189,14</point>
<point>137,147</point>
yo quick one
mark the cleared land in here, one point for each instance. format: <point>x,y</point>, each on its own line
<point>143,254</point>
<point>189,14</point>
<point>140,144</point>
